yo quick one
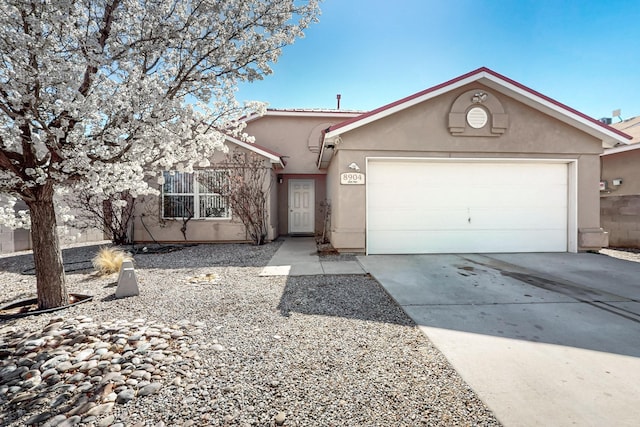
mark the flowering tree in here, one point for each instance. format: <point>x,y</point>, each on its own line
<point>99,93</point>
<point>247,192</point>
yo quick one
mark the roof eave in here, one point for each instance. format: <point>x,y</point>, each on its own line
<point>608,135</point>
<point>275,158</point>
<point>621,149</point>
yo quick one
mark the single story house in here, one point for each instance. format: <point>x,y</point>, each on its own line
<point>620,188</point>
<point>479,163</point>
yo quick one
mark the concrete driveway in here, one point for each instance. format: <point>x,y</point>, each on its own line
<point>544,339</point>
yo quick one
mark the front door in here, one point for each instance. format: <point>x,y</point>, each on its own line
<point>301,206</point>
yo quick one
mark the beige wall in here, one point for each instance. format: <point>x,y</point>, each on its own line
<point>620,205</point>
<point>149,225</point>
<point>625,165</point>
<point>297,138</point>
<point>422,131</point>
<point>20,239</point>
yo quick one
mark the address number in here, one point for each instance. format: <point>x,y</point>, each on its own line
<point>352,178</point>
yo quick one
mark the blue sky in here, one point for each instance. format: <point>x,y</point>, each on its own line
<point>582,53</point>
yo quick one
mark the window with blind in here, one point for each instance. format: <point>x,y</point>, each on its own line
<point>195,195</point>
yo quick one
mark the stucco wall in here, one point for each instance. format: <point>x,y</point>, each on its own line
<point>297,138</point>
<point>149,226</point>
<point>625,165</point>
<point>620,205</point>
<point>14,240</point>
<point>422,131</point>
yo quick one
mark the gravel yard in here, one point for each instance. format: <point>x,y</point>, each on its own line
<point>210,342</point>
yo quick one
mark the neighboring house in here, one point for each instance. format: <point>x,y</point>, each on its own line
<point>480,163</point>
<point>620,193</point>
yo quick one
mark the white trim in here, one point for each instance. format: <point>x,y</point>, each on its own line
<point>572,185</point>
<point>196,194</point>
<point>609,138</point>
<point>396,108</point>
<point>313,113</point>
<point>591,128</point>
<point>272,157</point>
<point>312,207</point>
<point>306,113</point>
<point>572,206</point>
<point>614,150</point>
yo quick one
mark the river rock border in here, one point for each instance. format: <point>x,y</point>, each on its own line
<point>75,370</point>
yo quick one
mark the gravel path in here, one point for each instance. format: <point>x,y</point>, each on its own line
<point>210,342</point>
<point>622,253</point>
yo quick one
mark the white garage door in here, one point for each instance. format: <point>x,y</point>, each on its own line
<point>426,206</point>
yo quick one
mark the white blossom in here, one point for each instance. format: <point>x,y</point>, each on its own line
<point>104,94</point>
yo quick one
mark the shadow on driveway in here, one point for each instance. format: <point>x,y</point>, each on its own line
<point>349,296</point>
<point>585,300</point>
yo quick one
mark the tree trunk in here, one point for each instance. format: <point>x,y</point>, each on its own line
<point>50,278</point>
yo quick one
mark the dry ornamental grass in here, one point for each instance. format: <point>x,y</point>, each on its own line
<point>109,260</point>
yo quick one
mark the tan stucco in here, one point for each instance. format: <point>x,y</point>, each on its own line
<point>620,204</point>
<point>297,138</point>
<point>149,226</point>
<point>626,166</point>
<point>422,131</point>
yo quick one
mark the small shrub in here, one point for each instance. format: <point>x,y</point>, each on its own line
<point>109,260</point>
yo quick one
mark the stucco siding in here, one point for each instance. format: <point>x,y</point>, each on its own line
<point>297,138</point>
<point>421,131</point>
<point>625,166</point>
<point>620,205</point>
<point>149,226</point>
<point>424,128</point>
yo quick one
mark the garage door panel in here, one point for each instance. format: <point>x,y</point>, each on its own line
<point>405,219</point>
<point>512,218</point>
<point>505,197</point>
<point>451,241</point>
<point>436,206</point>
<point>437,219</point>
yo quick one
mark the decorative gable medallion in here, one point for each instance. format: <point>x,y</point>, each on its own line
<point>477,113</point>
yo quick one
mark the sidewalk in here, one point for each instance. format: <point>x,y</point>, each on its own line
<point>298,256</point>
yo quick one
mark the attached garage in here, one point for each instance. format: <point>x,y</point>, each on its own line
<point>464,206</point>
<point>478,164</point>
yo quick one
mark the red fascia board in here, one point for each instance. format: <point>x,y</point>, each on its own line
<point>463,77</point>
<point>402,101</point>
<point>260,147</point>
<point>553,101</point>
<point>252,144</point>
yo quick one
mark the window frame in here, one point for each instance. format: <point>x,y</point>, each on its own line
<point>196,194</point>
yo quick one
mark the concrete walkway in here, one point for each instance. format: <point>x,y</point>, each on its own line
<point>298,256</point>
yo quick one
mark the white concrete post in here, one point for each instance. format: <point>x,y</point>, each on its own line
<point>127,281</point>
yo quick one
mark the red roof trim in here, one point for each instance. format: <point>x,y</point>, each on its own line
<point>559,104</point>
<point>253,146</point>
<point>465,76</point>
<point>266,150</point>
